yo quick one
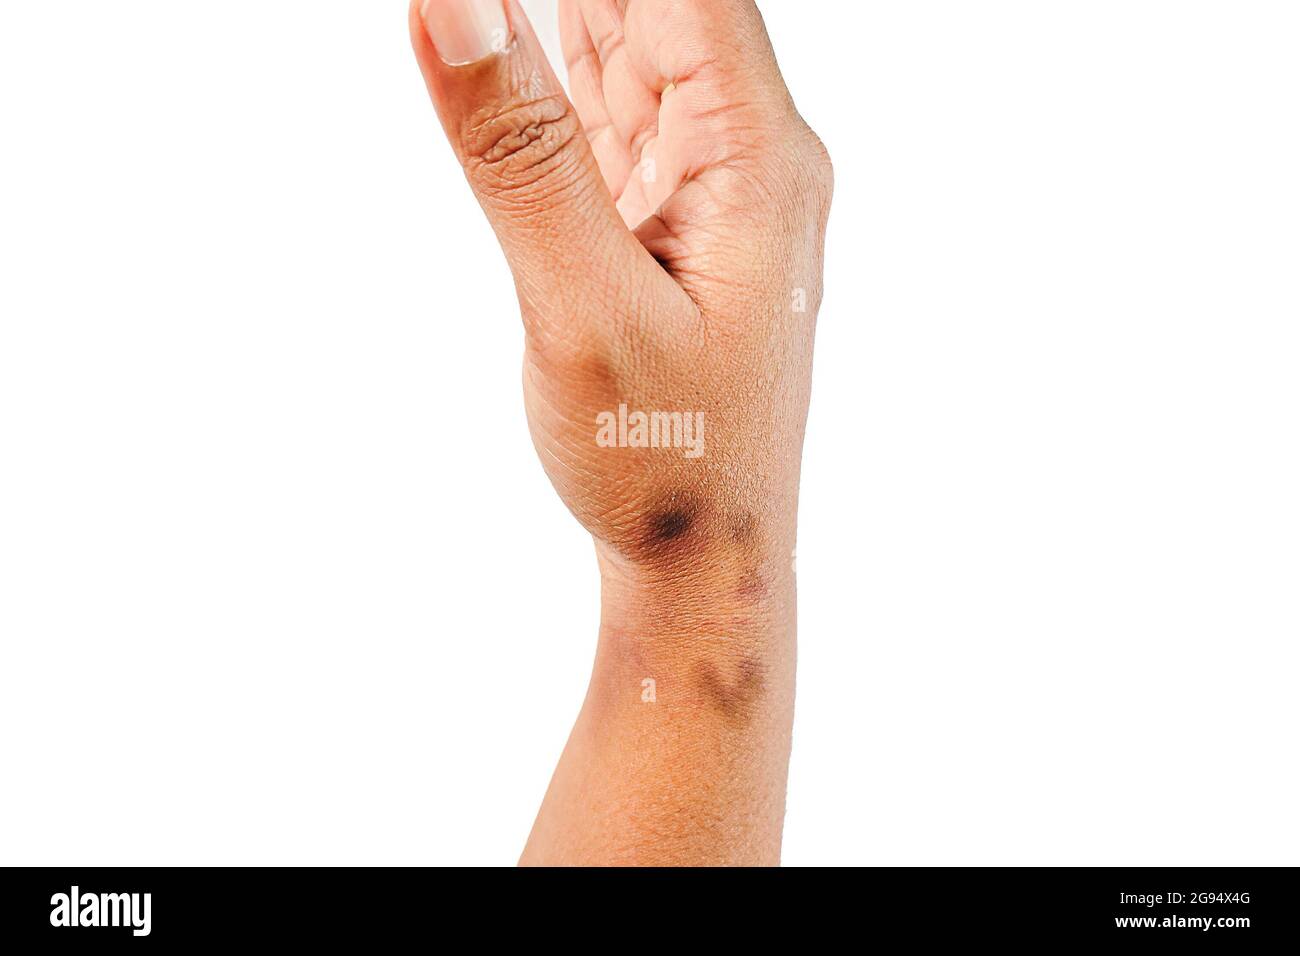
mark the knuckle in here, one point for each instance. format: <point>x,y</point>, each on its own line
<point>515,150</point>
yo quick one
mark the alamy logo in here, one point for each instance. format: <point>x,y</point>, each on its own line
<point>101,909</point>
<point>622,429</point>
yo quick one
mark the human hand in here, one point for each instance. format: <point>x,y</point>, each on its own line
<point>666,244</point>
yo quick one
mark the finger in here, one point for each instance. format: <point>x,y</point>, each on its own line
<point>585,86</point>
<point>721,97</point>
<point>731,148</point>
<point>720,46</point>
<point>633,105</point>
<point>525,156</point>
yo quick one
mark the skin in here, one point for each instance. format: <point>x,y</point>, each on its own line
<point>662,231</point>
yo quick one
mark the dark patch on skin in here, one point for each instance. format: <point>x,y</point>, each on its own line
<point>595,373</point>
<point>743,527</point>
<point>735,698</point>
<point>752,585</point>
<point>668,525</point>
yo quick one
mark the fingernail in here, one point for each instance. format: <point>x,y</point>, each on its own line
<point>464,31</point>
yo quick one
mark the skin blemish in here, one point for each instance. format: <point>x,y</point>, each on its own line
<point>668,525</point>
<point>736,697</point>
<point>743,527</point>
<point>752,585</point>
<point>671,524</point>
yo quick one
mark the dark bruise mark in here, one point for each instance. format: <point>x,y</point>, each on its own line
<point>736,698</point>
<point>668,525</point>
<point>596,373</point>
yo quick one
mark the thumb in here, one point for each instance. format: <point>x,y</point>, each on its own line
<point>527,158</point>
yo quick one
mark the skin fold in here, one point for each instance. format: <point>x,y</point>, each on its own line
<point>665,233</point>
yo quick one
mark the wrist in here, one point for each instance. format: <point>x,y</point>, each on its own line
<point>714,634</point>
<point>747,598</point>
<point>686,565</point>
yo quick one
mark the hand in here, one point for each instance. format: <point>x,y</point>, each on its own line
<point>666,244</point>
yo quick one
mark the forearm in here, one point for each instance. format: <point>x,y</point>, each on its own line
<point>680,753</point>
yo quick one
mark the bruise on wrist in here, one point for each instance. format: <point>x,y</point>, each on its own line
<point>687,536</point>
<point>705,600</point>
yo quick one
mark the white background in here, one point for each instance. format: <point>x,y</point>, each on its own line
<point>282,582</point>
